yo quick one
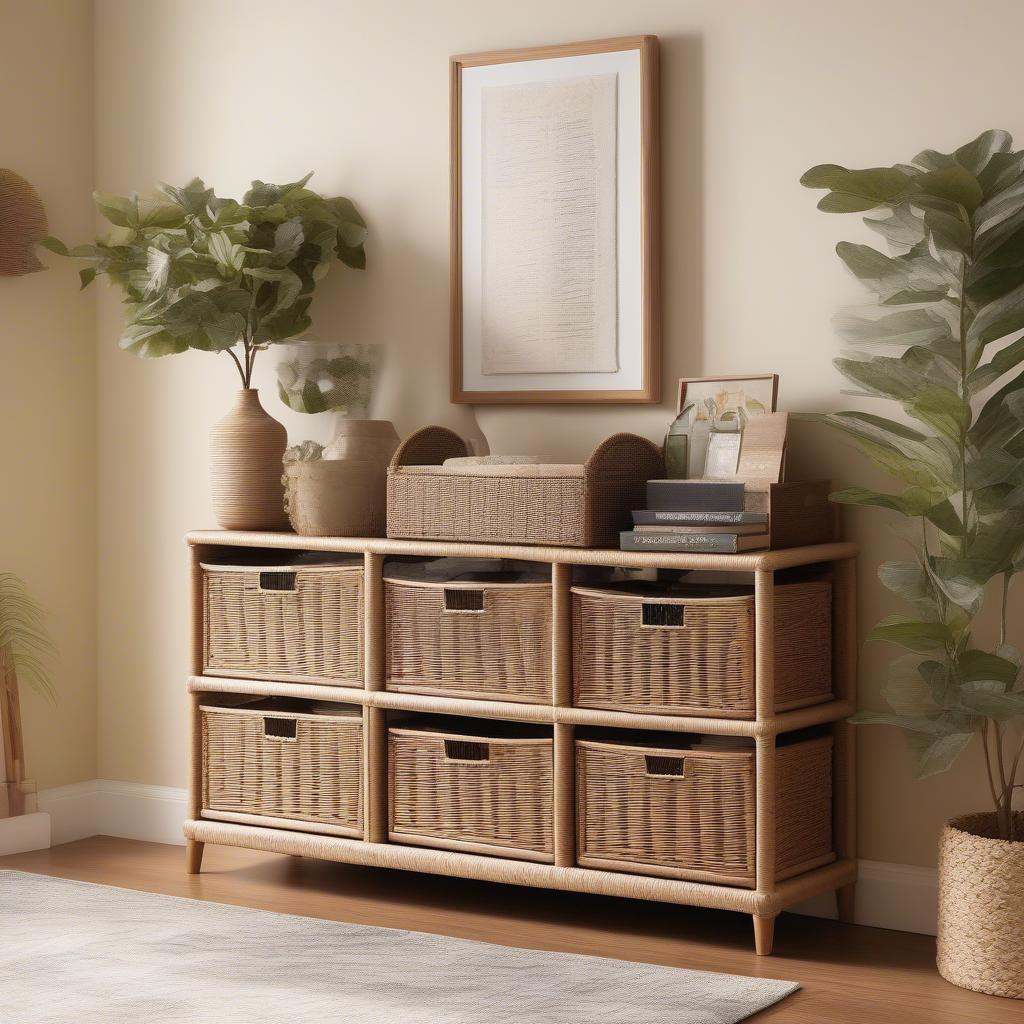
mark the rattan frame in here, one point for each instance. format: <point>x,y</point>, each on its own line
<point>770,894</point>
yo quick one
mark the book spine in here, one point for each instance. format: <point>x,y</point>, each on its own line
<point>670,495</point>
<point>654,517</point>
<point>720,543</point>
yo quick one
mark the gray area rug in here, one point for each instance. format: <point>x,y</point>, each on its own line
<point>77,953</point>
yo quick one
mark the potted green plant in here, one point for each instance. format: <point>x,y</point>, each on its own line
<point>202,272</point>
<point>943,344</point>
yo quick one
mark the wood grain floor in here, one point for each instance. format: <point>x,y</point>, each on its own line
<point>849,974</point>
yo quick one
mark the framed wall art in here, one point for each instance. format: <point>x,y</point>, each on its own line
<point>554,244</point>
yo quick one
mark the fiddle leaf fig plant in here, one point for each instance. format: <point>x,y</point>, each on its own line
<point>943,345</point>
<point>202,272</point>
<point>24,635</point>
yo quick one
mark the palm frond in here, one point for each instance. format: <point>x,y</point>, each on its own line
<point>23,632</point>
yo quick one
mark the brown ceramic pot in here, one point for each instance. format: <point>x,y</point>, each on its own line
<point>246,449</point>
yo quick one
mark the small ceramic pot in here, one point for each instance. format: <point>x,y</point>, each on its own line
<point>246,448</point>
<point>337,498</point>
<point>371,441</point>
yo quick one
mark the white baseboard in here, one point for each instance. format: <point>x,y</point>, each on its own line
<point>898,896</point>
<point>24,832</point>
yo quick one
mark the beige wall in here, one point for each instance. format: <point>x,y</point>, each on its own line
<point>48,372</point>
<point>753,94</point>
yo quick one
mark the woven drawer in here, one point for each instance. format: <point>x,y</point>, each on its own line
<point>479,640</point>
<point>658,654</point>
<point>298,766</point>
<point>299,623</point>
<point>682,813</point>
<point>486,794</point>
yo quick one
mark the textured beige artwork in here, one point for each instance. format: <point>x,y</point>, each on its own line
<point>549,231</point>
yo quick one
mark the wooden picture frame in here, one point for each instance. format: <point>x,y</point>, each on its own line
<point>772,377</point>
<point>637,349</point>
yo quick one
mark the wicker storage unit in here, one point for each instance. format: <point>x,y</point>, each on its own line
<point>264,762</point>
<point>460,791</point>
<point>638,650</point>
<point>690,814</point>
<point>486,640</point>
<point>566,505</point>
<point>297,623</point>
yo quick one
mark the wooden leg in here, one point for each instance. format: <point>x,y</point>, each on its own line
<point>764,934</point>
<point>193,856</point>
<point>846,902</point>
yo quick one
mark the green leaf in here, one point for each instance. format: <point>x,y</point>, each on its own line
<point>942,410</point>
<point>935,755</point>
<point>287,283</point>
<point>962,580</point>
<point>857,190</point>
<point>976,155</point>
<point>914,501</point>
<point>957,184</point>
<point>991,702</point>
<point>913,634</point>
<point>902,329</point>
<point>312,398</point>
<point>943,515</point>
<point>55,245</point>
<point>974,664</point>
<point>905,579</point>
<point>999,318</point>
<point>117,209</point>
<point>901,227</point>
<point>87,275</point>
<point>1002,362</point>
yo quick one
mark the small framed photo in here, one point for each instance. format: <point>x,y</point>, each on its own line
<point>554,246</point>
<point>721,405</point>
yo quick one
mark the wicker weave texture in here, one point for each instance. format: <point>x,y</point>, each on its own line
<point>498,792</point>
<point>312,633</point>
<point>575,510</point>
<point>694,811</point>
<point>703,664</point>
<point>981,906</point>
<point>284,765</point>
<point>439,644</point>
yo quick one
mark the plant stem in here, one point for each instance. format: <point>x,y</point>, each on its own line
<point>988,767</point>
<point>241,372</point>
<point>1004,813</point>
<point>1002,613</point>
<point>965,398</point>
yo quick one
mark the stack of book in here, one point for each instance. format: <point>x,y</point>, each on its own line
<point>696,515</point>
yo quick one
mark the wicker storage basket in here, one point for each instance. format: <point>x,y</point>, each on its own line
<point>484,794</point>
<point>262,762</point>
<point>298,623</point>
<point>981,906</point>
<point>690,814</point>
<point>637,650</point>
<point>564,505</point>
<point>486,640</point>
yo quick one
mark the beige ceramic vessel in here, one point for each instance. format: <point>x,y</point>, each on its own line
<point>246,449</point>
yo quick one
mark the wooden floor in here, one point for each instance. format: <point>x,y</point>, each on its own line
<point>848,974</point>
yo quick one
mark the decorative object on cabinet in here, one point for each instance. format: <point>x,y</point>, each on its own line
<point>430,782</point>
<point>949,295</point>
<point>315,377</point>
<point>202,272</point>
<point>554,193</point>
<point>24,647</point>
<point>579,505</point>
<point>22,225</point>
<point>719,402</point>
<point>341,490</point>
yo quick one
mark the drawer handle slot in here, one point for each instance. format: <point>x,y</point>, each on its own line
<point>458,600</point>
<point>465,750</point>
<point>672,615</point>
<point>665,767</point>
<point>279,728</point>
<point>277,582</point>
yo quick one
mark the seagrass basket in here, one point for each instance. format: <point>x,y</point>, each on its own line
<point>480,640</point>
<point>297,623</point>
<point>262,763</point>
<point>653,651</point>
<point>690,813</point>
<point>564,505</point>
<point>981,906</point>
<point>458,789</point>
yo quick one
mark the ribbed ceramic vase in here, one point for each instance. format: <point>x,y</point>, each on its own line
<point>246,449</point>
<point>981,906</point>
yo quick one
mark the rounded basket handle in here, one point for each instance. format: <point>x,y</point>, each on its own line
<point>429,446</point>
<point>627,452</point>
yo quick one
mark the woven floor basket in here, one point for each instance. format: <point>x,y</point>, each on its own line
<point>691,814</point>
<point>277,764</point>
<point>584,506</point>
<point>672,655</point>
<point>470,639</point>
<point>292,623</point>
<point>451,790</point>
<point>981,906</point>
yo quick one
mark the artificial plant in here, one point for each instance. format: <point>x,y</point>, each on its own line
<point>943,342</point>
<point>217,275</point>
<point>23,634</point>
